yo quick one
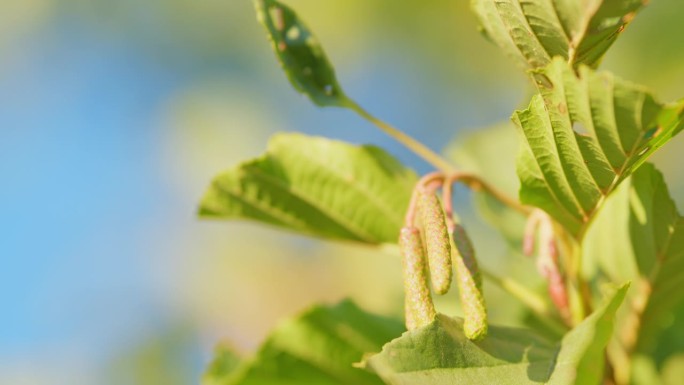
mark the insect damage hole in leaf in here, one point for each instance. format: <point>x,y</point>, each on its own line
<point>580,129</point>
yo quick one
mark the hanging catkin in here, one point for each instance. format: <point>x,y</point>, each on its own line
<point>436,241</point>
<point>419,308</point>
<point>469,282</point>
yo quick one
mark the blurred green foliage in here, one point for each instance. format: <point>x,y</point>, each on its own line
<point>221,118</point>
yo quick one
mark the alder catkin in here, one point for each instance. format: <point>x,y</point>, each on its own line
<point>436,241</point>
<point>419,308</point>
<point>469,282</point>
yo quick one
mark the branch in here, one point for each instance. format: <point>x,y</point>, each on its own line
<point>529,298</point>
<point>412,144</point>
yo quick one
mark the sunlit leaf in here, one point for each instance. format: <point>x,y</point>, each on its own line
<point>440,354</point>
<point>644,371</point>
<point>534,31</point>
<point>662,360</point>
<point>583,135</point>
<point>318,187</point>
<point>223,367</point>
<point>318,347</point>
<point>300,54</point>
<point>639,236</point>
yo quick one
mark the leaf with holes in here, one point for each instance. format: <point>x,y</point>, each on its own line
<point>532,32</point>
<point>639,236</point>
<point>318,187</point>
<point>317,347</point>
<point>583,135</point>
<point>300,54</point>
<point>441,354</point>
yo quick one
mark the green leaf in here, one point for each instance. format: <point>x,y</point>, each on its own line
<point>644,371</point>
<point>300,54</point>
<point>664,355</point>
<point>318,187</point>
<point>440,354</point>
<point>224,366</point>
<point>533,32</point>
<point>318,347</point>
<point>639,236</point>
<point>581,352</point>
<point>584,134</point>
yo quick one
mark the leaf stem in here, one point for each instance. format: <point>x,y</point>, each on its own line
<point>578,289</point>
<point>473,181</point>
<point>430,181</point>
<point>412,144</point>
<point>529,298</point>
<point>476,183</point>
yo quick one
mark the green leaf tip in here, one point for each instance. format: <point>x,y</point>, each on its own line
<point>307,184</point>
<point>583,134</point>
<point>317,346</point>
<point>300,54</point>
<point>590,338</point>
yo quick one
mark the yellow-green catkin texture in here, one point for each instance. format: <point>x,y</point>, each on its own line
<point>469,282</point>
<point>436,241</point>
<point>419,308</point>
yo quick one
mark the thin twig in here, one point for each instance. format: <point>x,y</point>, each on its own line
<point>447,202</point>
<point>431,181</point>
<point>476,184</point>
<point>412,144</point>
<point>529,298</point>
<point>471,180</point>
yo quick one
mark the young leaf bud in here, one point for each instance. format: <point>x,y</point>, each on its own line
<point>469,282</point>
<point>558,292</point>
<point>419,308</point>
<point>547,264</point>
<point>436,241</point>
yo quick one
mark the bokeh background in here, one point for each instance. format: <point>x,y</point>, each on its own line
<point>114,116</point>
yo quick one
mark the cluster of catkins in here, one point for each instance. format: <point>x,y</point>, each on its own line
<point>434,241</point>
